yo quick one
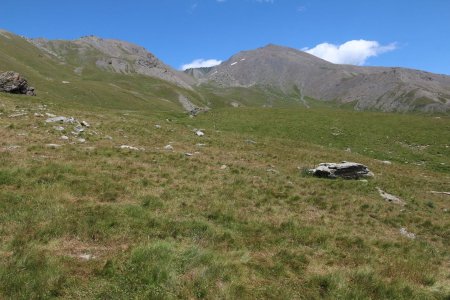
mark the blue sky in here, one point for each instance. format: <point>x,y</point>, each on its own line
<point>414,33</point>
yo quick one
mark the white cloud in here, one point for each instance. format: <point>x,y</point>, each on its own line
<point>201,63</point>
<point>354,52</point>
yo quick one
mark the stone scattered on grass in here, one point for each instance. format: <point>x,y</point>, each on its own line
<point>127,147</point>
<point>390,198</point>
<point>345,170</point>
<point>199,133</point>
<point>61,119</point>
<point>85,124</point>
<point>64,137</point>
<point>168,147</point>
<point>440,193</point>
<point>158,126</point>
<point>188,154</point>
<point>407,234</point>
<point>20,114</point>
<point>86,256</point>
<point>223,167</point>
<point>58,128</point>
<point>53,146</point>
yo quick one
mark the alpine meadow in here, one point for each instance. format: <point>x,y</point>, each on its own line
<point>273,174</point>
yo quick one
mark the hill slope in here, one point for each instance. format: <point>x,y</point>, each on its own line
<point>61,74</point>
<point>286,69</point>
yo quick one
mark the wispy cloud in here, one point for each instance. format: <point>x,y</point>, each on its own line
<point>192,7</point>
<point>264,1</point>
<point>201,63</point>
<point>355,52</point>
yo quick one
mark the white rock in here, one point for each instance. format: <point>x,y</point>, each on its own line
<point>199,133</point>
<point>53,146</point>
<point>58,128</point>
<point>86,256</point>
<point>188,154</point>
<point>407,234</point>
<point>38,115</point>
<point>65,82</point>
<point>22,114</point>
<point>64,137</point>
<point>126,147</point>
<point>158,126</point>
<point>168,147</point>
<point>389,197</point>
<point>61,119</point>
<point>81,140</point>
<point>50,115</point>
<point>85,124</point>
<point>223,167</point>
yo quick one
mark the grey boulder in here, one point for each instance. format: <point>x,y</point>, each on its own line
<point>345,170</point>
<point>14,83</point>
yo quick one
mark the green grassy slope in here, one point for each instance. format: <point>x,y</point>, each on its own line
<point>93,88</point>
<point>89,220</point>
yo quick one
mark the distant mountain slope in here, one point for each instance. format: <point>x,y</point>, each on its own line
<point>73,73</point>
<point>113,55</point>
<point>286,69</point>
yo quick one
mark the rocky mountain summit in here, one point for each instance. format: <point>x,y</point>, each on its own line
<point>291,70</point>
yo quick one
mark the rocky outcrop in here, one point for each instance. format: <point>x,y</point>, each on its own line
<point>345,170</point>
<point>14,83</point>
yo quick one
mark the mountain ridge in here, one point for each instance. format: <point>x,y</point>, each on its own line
<point>268,76</point>
<point>382,88</point>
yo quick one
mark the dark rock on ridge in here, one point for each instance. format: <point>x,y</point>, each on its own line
<point>14,83</point>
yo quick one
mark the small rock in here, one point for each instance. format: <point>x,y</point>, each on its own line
<point>126,147</point>
<point>348,150</point>
<point>188,154</point>
<point>200,145</point>
<point>53,146</point>
<point>407,234</point>
<point>64,137</point>
<point>65,82</point>
<point>85,124</point>
<point>58,128</point>
<point>158,126</point>
<point>223,167</point>
<point>38,115</point>
<point>168,147</point>
<point>61,119</point>
<point>386,162</point>
<point>81,140</point>
<point>390,198</point>
<point>50,115</point>
<point>86,256</point>
<point>271,170</point>
<point>199,133</point>
<point>107,137</point>
<point>18,115</point>
<point>11,147</point>
<point>250,142</point>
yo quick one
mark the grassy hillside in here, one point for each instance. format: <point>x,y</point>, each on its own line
<point>93,88</point>
<point>239,219</point>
